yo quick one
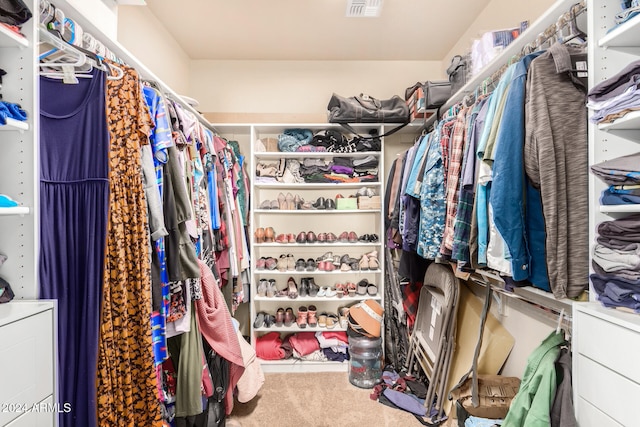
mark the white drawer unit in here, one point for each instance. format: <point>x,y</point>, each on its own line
<point>27,357</point>
<point>606,381</point>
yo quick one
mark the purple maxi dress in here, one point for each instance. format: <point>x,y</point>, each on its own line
<point>74,195</point>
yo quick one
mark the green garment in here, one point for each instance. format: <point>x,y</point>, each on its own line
<point>532,405</point>
<point>187,355</point>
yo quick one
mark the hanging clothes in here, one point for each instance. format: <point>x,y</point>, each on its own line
<point>531,407</point>
<point>556,161</point>
<point>74,203</point>
<point>126,374</point>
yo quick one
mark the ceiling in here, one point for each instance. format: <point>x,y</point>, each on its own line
<point>315,29</point>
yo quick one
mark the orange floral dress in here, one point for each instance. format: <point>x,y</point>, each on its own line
<point>126,381</point>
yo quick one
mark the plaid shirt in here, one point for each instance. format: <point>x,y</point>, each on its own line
<point>462,225</point>
<point>453,179</point>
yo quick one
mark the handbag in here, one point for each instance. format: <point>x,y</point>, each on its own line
<point>366,109</point>
<point>457,72</point>
<point>436,94</point>
<point>14,12</point>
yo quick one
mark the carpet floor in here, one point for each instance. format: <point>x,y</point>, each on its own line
<point>316,400</point>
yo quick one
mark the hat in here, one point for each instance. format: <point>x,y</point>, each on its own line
<point>368,315</point>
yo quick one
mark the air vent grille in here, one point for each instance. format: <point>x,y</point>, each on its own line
<point>363,8</point>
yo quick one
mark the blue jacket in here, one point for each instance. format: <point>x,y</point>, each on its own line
<point>516,204</point>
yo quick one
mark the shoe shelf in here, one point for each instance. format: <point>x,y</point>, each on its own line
<point>619,208</point>
<point>316,245</point>
<point>294,328</point>
<point>18,210</point>
<point>12,124</point>
<point>287,300</point>
<point>337,272</point>
<point>362,222</point>
<point>316,185</point>
<point>314,211</point>
<point>316,154</point>
<point>10,38</point>
<point>295,365</point>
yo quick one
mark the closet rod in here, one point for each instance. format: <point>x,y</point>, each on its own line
<point>548,19</point>
<point>73,13</point>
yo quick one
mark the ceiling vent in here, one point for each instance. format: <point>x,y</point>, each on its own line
<point>363,8</point>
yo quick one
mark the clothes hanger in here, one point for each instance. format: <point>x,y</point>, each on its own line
<point>560,318</point>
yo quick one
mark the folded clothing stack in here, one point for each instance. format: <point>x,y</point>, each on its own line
<point>622,175</point>
<point>617,96</point>
<point>616,263</point>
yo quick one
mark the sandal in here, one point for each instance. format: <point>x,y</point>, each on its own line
<point>322,292</point>
<point>303,315</point>
<point>322,320</point>
<point>332,320</point>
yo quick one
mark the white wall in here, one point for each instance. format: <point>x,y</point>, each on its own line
<point>102,14</point>
<point>300,87</point>
<point>140,32</point>
<point>498,14</point>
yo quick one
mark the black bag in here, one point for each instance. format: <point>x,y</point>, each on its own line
<point>457,73</point>
<point>436,94</point>
<point>366,109</point>
<point>14,12</point>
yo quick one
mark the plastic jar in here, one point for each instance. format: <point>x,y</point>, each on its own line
<point>366,362</point>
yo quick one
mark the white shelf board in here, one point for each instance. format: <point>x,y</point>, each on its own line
<point>287,300</point>
<point>316,185</point>
<point>315,273</point>
<point>320,154</point>
<point>315,211</point>
<point>294,328</point>
<point>619,208</point>
<point>9,38</point>
<point>18,210</point>
<point>13,124</point>
<point>303,366</point>
<point>629,122</point>
<point>315,245</point>
<point>624,35</point>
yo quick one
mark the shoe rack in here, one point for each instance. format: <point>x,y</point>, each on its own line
<point>293,222</point>
<point>19,170</point>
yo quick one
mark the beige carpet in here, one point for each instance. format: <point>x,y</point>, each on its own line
<point>316,400</point>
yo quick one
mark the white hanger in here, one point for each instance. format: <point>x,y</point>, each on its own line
<point>560,318</point>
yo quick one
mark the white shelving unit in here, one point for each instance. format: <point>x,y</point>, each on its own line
<point>604,381</point>
<point>361,221</point>
<point>19,170</point>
